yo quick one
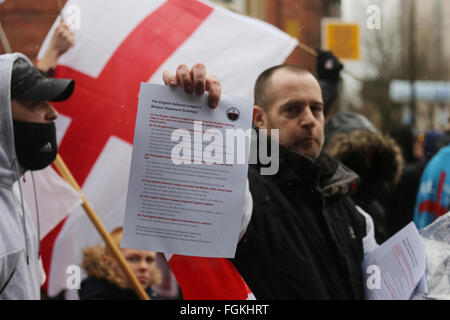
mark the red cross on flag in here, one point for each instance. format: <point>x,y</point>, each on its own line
<point>119,44</point>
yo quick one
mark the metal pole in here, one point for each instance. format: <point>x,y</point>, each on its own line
<point>412,60</point>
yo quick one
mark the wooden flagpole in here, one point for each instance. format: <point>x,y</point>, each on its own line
<point>60,7</point>
<point>67,175</point>
<point>4,39</point>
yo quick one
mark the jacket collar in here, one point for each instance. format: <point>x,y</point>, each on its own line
<point>325,174</point>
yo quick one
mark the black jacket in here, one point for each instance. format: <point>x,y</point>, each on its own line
<point>93,288</point>
<point>304,240</point>
<point>401,201</point>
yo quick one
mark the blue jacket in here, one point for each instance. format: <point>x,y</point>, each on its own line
<point>433,197</point>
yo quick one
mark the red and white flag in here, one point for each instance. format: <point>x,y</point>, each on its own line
<point>55,198</point>
<point>119,44</point>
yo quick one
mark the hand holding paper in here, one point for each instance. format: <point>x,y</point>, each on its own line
<point>188,171</point>
<point>196,80</point>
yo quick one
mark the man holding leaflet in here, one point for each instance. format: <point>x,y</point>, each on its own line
<point>304,237</point>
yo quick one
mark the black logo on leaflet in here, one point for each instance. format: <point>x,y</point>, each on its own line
<point>233,114</point>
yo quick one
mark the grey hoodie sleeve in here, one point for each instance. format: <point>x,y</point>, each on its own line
<point>18,238</point>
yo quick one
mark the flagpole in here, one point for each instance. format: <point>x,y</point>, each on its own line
<point>60,8</point>
<point>4,39</point>
<point>67,175</point>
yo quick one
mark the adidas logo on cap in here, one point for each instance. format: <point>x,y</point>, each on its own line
<point>47,147</point>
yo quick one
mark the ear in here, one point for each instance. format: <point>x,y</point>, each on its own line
<point>259,117</point>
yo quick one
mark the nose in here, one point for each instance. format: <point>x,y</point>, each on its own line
<point>307,118</point>
<point>51,113</point>
<point>143,265</point>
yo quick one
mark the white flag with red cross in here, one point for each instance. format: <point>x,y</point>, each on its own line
<point>119,44</point>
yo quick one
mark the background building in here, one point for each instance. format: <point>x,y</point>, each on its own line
<point>299,18</point>
<point>26,22</point>
<point>412,44</point>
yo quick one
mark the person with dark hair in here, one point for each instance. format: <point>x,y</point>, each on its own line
<point>432,143</point>
<point>399,203</point>
<point>28,142</point>
<point>303,237</point>
<point>410,143</point>
<point>377,160</point>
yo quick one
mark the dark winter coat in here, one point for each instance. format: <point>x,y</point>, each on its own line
<point>93,288</point>
<point>304,240</point>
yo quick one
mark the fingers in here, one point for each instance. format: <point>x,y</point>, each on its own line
<point>170,79</point>
<point>184,78</point>
<point>198,74</point>
<point>63,38</point>
<point>214,88</point>
<point>195,80</point>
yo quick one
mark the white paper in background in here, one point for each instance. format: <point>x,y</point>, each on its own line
<point>188,209</point>
<point>402,263</point>
<point>436,242</point>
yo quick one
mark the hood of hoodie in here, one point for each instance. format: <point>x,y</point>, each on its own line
<point>19,278</point>
<point>7,150</point>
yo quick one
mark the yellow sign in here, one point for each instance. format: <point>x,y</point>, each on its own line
<point>341,38</point>
<point>293,28</point>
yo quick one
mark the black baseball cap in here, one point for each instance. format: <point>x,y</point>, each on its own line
<point>28,83</point>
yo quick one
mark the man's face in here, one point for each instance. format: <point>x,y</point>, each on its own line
<point>143,264</point>
<point>296,109</point>
<point>33,111</point>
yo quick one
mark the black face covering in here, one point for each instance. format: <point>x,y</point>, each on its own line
<point>35,144</point>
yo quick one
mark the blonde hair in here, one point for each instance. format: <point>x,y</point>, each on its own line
<point>95,264</point>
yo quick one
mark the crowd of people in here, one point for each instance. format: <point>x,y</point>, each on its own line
<point>343,186</point>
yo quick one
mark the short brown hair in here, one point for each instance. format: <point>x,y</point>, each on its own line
<point>261,85</point>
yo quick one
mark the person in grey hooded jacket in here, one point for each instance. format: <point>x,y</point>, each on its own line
<point>27,142</point>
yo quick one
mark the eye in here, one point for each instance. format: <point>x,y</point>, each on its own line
<point>316,108</point>
<point>31,105</point>
<point>291,109</point>
<point>133,259</point>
